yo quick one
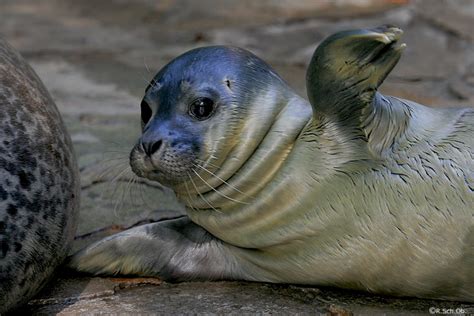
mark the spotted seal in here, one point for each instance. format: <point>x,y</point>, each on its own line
<point>39,191</point>
<point>355,190</point>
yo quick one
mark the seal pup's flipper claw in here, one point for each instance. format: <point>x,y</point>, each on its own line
<point>176,250</point>
<point>342,81</point>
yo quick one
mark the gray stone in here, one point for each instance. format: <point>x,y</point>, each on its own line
<point>453,16</point>
<point>72,296</point>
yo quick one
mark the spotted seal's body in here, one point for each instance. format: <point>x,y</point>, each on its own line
<point>358,190</point>
<point>38,183</point>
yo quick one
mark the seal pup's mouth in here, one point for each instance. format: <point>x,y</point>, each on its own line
<point>168,167</point>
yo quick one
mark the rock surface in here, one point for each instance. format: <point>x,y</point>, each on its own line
<point>71,296</point>
<point>96,58</point>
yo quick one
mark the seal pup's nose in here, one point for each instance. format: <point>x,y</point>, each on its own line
<point>151,147</point>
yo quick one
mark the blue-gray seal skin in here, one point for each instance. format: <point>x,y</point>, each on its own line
<point>356,190</point>
<point>39,183</point>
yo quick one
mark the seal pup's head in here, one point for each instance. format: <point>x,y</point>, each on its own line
<point>202,107</point>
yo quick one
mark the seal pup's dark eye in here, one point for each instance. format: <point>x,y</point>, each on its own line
<point>201,108</point>
<point>146,112</point>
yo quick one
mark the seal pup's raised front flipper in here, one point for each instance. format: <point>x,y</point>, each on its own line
<point>342,81</point>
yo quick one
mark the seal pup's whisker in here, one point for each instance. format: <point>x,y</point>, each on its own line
<point>116,168</point>
<point>217,191</point>
<point>223,181</point>
<point>118,171</point>
<point>111,168</point>
<point>119,202</point>
<point>146,66</point>
<point>111,171</point>
<point>91,179</point>
<point>116,186</point>
<point>131,193</point>
<point>202,197</point>
<point>137,192</point>
<point>152,82</point>
<point>119,158</point>
<point>189,199</point>
<point>211,157</point>
<point>142,187</point>
<point>118,176</point>
<point>208,163</point>
<point>116,151</point>
<point>219,178</point>
<point>127,190</point>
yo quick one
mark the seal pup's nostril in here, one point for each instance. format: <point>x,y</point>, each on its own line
<point>151,148</point>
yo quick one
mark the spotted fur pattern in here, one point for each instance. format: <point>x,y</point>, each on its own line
<point>38,182</point>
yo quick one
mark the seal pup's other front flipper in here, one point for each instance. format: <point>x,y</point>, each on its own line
<point>342,81</point>
<point>173,250</point>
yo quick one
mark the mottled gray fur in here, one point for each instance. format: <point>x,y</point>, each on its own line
<point>39,191</point>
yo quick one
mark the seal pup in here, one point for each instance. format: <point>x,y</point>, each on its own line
<point>39,183</point>
<point>355,190</point>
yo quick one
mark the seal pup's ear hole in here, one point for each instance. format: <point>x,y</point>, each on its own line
<point>228,83</point>
<point>146,112</point>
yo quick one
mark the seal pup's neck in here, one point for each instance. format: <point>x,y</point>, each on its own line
<point>273,121</point>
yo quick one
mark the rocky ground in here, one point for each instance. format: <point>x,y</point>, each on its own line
<point>96,58</point>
